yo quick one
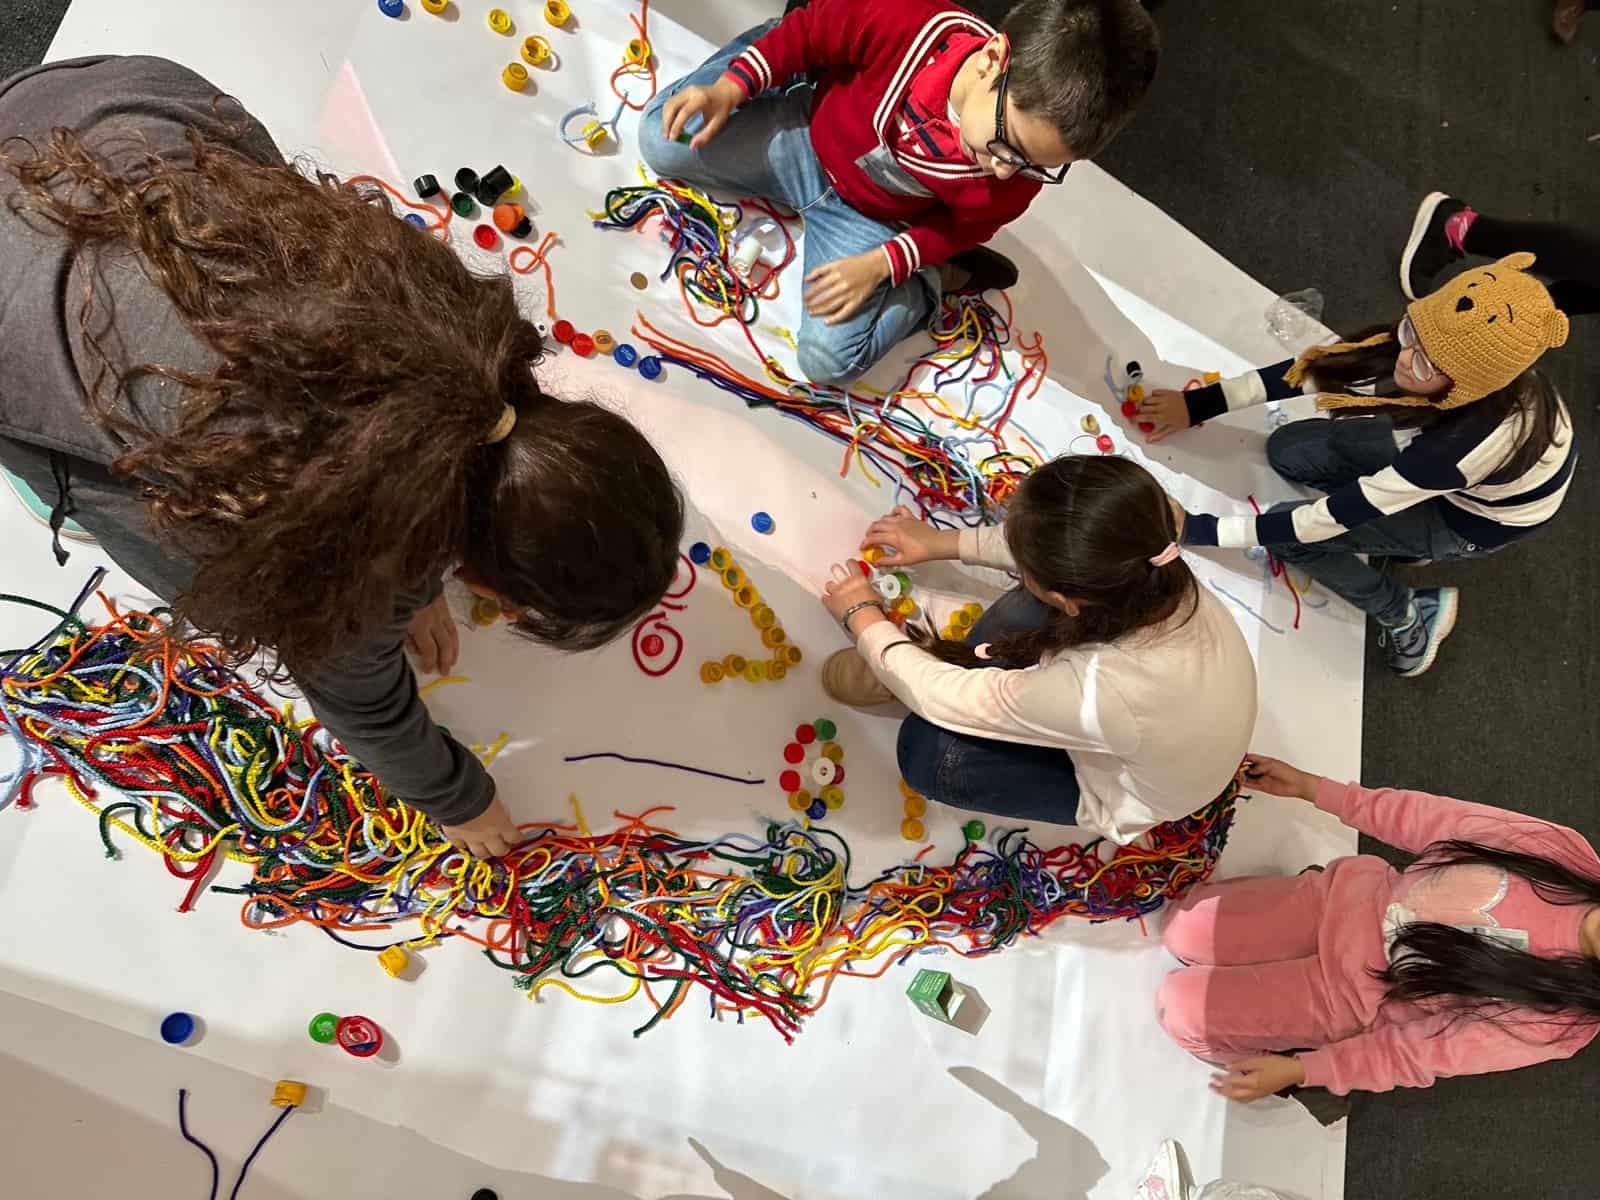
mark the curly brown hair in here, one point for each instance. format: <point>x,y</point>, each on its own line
<point>334,456</point>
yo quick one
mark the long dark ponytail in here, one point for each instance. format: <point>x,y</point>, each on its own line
<point>1442,967</point>
<point>1530,399</point>
<point>1087,526</point>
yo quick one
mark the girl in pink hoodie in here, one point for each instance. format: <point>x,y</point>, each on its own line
<point>1483,955</point>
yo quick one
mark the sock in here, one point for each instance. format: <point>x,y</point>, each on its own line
<point>1456,226</point>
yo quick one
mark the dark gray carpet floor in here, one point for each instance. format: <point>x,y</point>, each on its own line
<point>1296,139</point>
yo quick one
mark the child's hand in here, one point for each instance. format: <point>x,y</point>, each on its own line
<point>1166,410</point>
<point>1278,778</point>
<point>836,291</point>
<point>1261,1076</point>
<point>850,587</point>
<point>907,541</point>
<point>715,104</point>
<point>488,835</point>
<point>433,638</point>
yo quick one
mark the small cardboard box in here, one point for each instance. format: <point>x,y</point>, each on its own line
<point>937,995</point>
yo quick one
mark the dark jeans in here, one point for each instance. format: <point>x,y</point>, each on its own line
<point>1009,779</point>
<point>1327,455</point>
<point>1569,257</point>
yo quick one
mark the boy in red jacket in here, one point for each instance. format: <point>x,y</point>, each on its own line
<point>907,132</point>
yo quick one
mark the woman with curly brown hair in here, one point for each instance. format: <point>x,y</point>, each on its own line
<point>288,413</point>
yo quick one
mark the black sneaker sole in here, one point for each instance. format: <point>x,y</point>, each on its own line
<point>988,270</point>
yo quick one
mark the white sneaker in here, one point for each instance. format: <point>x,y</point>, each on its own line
<point>1167,1177</point>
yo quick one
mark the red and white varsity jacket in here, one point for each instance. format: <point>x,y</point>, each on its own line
<point>880,124</point>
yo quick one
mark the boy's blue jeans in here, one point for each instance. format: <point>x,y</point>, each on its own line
<point>765,150</point>
<point>1009,779</point>
<point>1327,455</point>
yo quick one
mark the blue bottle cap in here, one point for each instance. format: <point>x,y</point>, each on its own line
<point>391,8</point>
<point>417,219</point>
<point>650,366</point>
<point>817,811</point>
<point>699,554</point>
<point>761,522</point>
<point>176,1028</point>
<point>625,355</point>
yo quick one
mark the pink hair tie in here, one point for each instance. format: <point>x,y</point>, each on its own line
<point>1166,556</point>
<point>983,651</point>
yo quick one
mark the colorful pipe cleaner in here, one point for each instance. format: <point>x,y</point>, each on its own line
<point>171,748</point>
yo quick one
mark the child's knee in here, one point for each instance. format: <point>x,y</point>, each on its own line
<point>1180,1007</point>
<point>1186,932</point>
<point>827,357</point>
<point>654,147</point>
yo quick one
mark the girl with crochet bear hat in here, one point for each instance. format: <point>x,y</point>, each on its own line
<point>1451,446</point>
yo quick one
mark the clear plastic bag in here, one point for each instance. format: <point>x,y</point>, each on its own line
<point>1295,317</point>
<point>1223,1190</point>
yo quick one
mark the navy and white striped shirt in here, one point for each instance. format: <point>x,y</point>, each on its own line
<point>1455,461</point>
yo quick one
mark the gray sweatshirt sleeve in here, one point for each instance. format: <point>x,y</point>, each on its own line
<point>367,697</point>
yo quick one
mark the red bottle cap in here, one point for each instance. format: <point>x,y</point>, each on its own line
<point>582,344</point>
<point>563,332</point>
<point>486,237</point>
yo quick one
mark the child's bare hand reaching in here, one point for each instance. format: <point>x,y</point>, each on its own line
<point>1278,778</point>
<point>907,541</point>
<point>715,104</point>
<point>1166,409</point>
<point>836,291</point>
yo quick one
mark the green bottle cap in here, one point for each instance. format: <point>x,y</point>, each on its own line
<point>973,831</point>
<point>322,1027</point>
<point>826,729</point>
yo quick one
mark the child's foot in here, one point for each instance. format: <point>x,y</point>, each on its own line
<point>1165,1178</point>
<point>847,678</point>
<point>1430,248</point>
<point>40,511</point>
<point>1412,647</point>
<point>985,270</point>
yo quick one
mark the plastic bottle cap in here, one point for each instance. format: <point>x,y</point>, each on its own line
<point>763,616</point>
<point>485,1194</point>
<point>562,331</point>
<point>1146,427</point>
<point>833,797</point>
<point>535,50</point>
<point>761,522</point>
<point>556,12</point>
<point>773,636</point>
<point>176,1028</point>
<point>824,772</point>
<point>514,76</point>
<point>1104,444</point>
<point>651,645</point>
<point>832,750</point>
<point>323,1027</point>
<point>604,343</point>
<point>1130,409</point>
<point>416,219</point>
<point>463,205</point>
<point>805,735</point>
<point>507,217</point>
<point>817,811</point>
<point>973,831</point>
<point>425,186</point>
<point>826,729</point>
<point>789,781</point>
<point>435,6</point>
<point>650,367</point>
<point>288,1093</point>
<point>523,228</point>
<point>1134,370</point>
<point>393,960</point>
<point>391,8</point>
<point>486,237</point>
<point>911,829</point>
<point>721,560</point>
<point>699,553</point>
<point>582,344</point>
<point>1135,392</point>
<point>734,664</point>
<point>794,752</point>
<point>915,806</point>
<point>499,20</point>
<point>625,355</point>
<point>466,180</point>
<point>358,1036</point>
<point>800,800</point>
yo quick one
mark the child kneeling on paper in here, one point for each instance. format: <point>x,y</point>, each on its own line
<point>1483,955</point>
<point>1108,690</point>
<point>917,134</point>
<point>1490,461</point>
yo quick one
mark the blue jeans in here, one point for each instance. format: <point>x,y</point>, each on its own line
<point>1009,779</point>
<point>765,150</point>
<point>1327,455</point>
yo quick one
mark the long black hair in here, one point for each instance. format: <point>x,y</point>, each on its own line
<point>1442,967</point>
<point>1087,526</point>
<point>1530,399</point>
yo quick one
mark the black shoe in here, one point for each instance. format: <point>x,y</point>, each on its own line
<point>985,269</point>
<point>1427,251</point>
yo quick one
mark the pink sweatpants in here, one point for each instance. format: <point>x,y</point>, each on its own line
<point>1254,984</point>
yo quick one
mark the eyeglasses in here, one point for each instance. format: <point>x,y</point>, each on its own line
<point>1422,368</point>
<point>1003,151</point>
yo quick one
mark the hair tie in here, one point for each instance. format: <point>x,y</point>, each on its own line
<point>502,427</point>
<point>1166,556</point>
<point>984,651</point>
